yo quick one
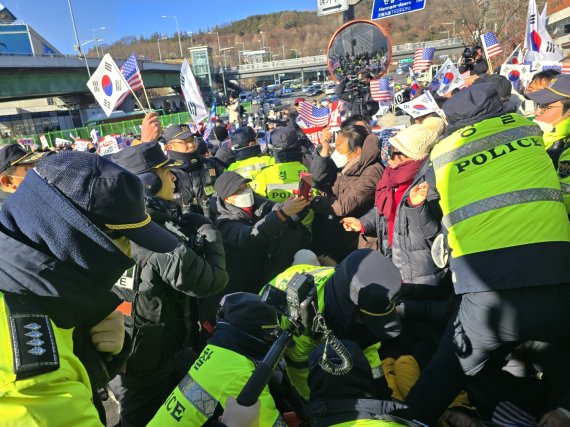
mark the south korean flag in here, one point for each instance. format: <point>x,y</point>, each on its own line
<point>107,84</point>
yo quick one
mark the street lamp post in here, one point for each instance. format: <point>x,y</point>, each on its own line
<point>224,50</point>
<point>177,32</point>
<point>94,37</point>
<point>159,52</point>
<point>77,38</point>
<point>218,35</point>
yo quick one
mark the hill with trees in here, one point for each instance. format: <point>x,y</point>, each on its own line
<point>290,33</point>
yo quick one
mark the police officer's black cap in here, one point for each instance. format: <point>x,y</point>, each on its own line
<point>143,158</point>
<point>228,183</point>
<point>284,138</point>
<point>243,136</point>
<point>248,313</point>
<point>14,155</point>
<point>371,282</point>
<point>108,195</point>
<point>178,132</point>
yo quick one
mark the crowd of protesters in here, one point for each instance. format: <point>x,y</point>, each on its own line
<point>438,253</point>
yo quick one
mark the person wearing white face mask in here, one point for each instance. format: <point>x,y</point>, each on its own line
<point>260,237</point>
<point>553,117</point>
<point>346,180</point>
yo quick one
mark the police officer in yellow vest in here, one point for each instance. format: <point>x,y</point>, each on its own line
<point>357,303</point>
<point>244,333</point>
<point>64,239</point>
<point>553,117</point>
<point>249,158</point>
<point>509,239</point>
<point>277,182</point>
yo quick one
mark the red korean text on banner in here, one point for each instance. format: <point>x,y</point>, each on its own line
<point>313,134</point>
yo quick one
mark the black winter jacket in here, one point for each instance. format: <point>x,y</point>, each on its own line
<point>257,249</point>
<point>167,281</point>
<point>195,180</point>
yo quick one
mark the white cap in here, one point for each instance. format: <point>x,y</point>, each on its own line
<point>305,256</point>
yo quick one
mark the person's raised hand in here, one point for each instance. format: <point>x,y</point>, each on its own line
<point>151,128</point>
<point>325,139</point>
<point>351,224</point>
<point>108,335</point>
<point>418,194</point>
<point>293,205</point>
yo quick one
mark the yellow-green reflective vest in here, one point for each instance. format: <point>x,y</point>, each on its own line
<point>297,356</point>
<point>564,176</point>
<point>58,398</point>
<point>277,182</point>
<point>217,374</point>
<point>498,190</point>
<point>251,167</point>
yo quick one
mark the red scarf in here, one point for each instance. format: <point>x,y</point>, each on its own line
<point>391,179</point>
<point>248,211</point>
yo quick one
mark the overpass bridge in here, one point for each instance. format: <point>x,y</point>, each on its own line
<point>452,47</point>
<point>23,77</point>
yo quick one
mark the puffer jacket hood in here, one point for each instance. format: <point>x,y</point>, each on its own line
<point>472,105</point>
<point>370,154</point>
<point>51,251</point>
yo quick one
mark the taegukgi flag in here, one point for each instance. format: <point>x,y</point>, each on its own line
<point>107,84</point>
<point>448,78</point>
<point>419,106</point>
<point>192,95</point>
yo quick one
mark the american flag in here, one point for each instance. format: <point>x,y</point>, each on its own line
<point>491,44</point>
<point>464,76</point>
<point>132,75</point>
<point>423,58</point>
<point>313,116</point>
<point>380,90</point>
<point>211,123</point>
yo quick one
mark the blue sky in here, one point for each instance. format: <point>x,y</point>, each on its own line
<point>121,18</point>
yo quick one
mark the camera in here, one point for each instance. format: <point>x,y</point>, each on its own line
<point>469,54</point>
<point>296,300</point>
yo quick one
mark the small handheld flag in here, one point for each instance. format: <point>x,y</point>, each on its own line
<point>491,45</point>
<point>108,85</point>
<point>423,58</point>
<point>380,90</point>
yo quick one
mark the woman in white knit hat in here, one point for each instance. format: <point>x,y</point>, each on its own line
<point>403,223</point>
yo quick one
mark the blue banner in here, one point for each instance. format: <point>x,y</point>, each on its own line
<point>388,8</point>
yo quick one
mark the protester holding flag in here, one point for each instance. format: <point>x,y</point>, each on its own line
<point>351,192</point>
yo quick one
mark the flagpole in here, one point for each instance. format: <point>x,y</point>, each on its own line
<point>146,96</point>
<point>137,99</point>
